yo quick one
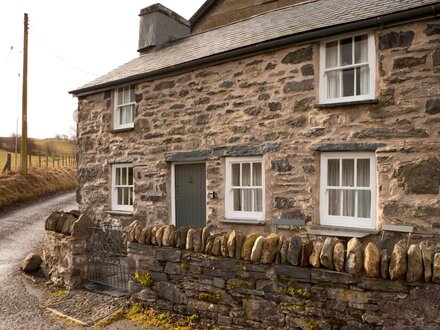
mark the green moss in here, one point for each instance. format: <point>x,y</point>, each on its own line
<point>60,293</point>
<point>230,287</point>
<point>211,297</point>
<point>312,325</point>
<point>184,266</point>
<point>298,293</point>
<point>144,280</point>
<point>119,314</point>
<point>285,304</point>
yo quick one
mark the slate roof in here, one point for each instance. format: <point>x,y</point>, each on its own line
<point>295,19</point>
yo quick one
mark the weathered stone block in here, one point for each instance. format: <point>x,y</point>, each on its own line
<point>432,29</point>
<point>307,70</point>
<point>415,264</point>
<point>293,272</point>
<point>326,256</point>
<point>246,150</point>
<point>432,106</point>
<point>281,165</point>
<point>174,268</point>
<point>389,133</point>
<point>395,39</point>
<point>168,254</point>
<point>298,86</point>
<point>408,62</point>
<point>419,177</point>
<point>298,56</point>
<point>436,57</point>
<point>398,264</point>
<point>258,309</point>
<point>171,293</point>
<point>282,203</point>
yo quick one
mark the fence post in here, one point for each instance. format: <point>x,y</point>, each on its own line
<point>30,160</point>
<point>53,161</point>
<point>58,161</point>
<point>7,167</point>
<point>39,161</point>
<point>47,161</point>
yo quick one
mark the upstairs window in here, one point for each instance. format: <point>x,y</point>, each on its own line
<point>244,195</point>
<point>122,187</point>
<point>124,107</point>
<point>348,190</point>
<point>347,69</point>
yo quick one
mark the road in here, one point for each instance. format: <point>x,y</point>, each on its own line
<point>21,231</point>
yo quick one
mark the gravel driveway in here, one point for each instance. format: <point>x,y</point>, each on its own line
<point>21,231</point>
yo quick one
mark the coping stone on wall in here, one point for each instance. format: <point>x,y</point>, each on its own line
<point>246,150</point>
<point>188,155</point>
<point>362,146</point>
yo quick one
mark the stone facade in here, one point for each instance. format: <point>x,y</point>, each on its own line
<point>267,105</point>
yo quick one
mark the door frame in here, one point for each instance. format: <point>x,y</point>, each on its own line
<point>173,188</point>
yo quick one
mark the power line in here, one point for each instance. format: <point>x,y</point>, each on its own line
<point>9,54</point>
<point>32,32</point>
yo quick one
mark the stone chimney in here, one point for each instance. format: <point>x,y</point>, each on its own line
<point>159,26</point>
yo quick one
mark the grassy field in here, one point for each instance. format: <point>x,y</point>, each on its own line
<point>61,147</point>
<point>16,189</point>
<point>46,162</point>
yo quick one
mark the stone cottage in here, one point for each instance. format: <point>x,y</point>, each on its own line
<point>318,115</point>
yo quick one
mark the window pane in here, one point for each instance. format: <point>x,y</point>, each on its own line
<point>120,95</point>
<point>364,80</point>
<point>130,176</point>
<point>331,54</point>
<point>363,172</point>
<point>348,172</point>
<point>236,195</point>
<point>348,82</point>
<point>126,196</point>
<point>132,94</point>
<point>118,176</point>
<point>119,192</point>
<point>130,194</point>
<point>235,175</point>
<point>333,172</point>
<point>364,203</point>
<point>247,200</point>
<point>126,95</point>
<point>121,115</point>
<point>334,202</point>
<point>124,175</point>
<point>333,84</point>
<point>349,200</point>
<point>361,49</point>
<point>246,174</point>
<point>256,174</point>
<point>346,51</point>
<point>258,200</point>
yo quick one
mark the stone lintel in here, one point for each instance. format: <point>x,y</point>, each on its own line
<point>355,146</point>
<point>188,155</point>
<point>246,150</point>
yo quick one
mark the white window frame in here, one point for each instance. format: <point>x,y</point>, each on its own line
<point>116,109</point>
<point>346,221</point>
<point>371,62</point>
<point>114,196</point>
<point>229,202</point>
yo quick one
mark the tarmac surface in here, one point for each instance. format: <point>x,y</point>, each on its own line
<point>21,297</point>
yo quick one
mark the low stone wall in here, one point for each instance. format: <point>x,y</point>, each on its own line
<point>234,293</point>
<point>64,248</point>
<point>64,259</point>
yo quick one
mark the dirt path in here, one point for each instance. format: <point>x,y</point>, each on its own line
<point>21,231</point>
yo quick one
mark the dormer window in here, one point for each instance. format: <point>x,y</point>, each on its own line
<point>347,69</point>
<point>124,107</point>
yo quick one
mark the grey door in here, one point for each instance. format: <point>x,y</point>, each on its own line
<point>190,194</point>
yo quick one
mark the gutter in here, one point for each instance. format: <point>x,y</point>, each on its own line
<point>378,22</point>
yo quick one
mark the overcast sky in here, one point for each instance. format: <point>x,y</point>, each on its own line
<point>70,44</point>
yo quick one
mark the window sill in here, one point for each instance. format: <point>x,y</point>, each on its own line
<point>244,222</point>
<point>343,104</point>
<point>125,129</point>
<point>340,231</point>
<point>115,212</point>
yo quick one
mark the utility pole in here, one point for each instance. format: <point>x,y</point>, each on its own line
<point>24,169</point>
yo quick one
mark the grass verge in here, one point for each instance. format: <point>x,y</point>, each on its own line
<point>16,189</point>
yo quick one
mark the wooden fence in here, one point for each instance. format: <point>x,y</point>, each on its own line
<point>11,162</point>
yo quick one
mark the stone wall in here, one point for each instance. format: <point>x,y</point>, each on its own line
<point>64,259</point>
<point>266,104</point>
<point>234,294</point>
